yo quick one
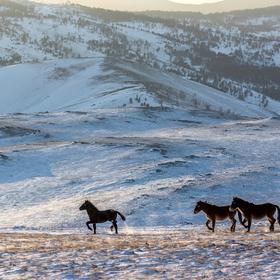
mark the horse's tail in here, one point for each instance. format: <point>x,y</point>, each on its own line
<point>121,215</point>
<point>278,208</point>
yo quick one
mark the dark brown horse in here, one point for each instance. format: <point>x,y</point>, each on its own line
<point>214,213</point>
<point>97,217</point>
<point>251,211</point>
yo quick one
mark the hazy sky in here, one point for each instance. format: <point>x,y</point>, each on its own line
<point>165,5</point>
<point>194,1</point>
<point>177,1</point>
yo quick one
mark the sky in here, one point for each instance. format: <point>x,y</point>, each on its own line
<point>167,5</point>
<point>176,1</point>
<point>194,1</point>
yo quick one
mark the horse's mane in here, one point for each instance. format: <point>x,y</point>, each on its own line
<point>244,201</point>
<point>91,205</point>
<point>205,202</point>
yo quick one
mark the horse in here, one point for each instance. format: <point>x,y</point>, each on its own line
<point>251,211</point>
<point>214,213</point>
<point>96,216</point>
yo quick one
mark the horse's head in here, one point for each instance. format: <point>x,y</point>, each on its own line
<point>198,207</point>
<point>85,205</point>
<point>235,204</point>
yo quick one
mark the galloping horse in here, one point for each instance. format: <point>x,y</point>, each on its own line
<point>214,213</point>
<point>96,216</point>
<point>251,211</point>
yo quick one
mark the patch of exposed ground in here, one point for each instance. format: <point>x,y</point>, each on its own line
<point>153,254</point>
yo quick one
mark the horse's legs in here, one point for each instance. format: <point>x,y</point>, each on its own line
<point>207,224</point>
<point>233,220</point>
<point>243,223</point>
<point>241,220</point>
<point>249,224</point>
<point>94,228</point>
<point>112,227</point>
<point>272,222</point>
<point>233,224</point>
<point>115,226</point>
<point>88,223</point>
<point>213,225</point>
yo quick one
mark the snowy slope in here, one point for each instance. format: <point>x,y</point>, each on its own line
<point>37,33</point>
<point>166,5</point>
<point>151,164</point>
<point>127,134</point>
<point>157,254</point>
<point>139,138</point>
<point>64,85</point>
<point>88,84</point>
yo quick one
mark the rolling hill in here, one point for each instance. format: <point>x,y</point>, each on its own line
<point>165,5</point>
<point>95,83</point>
<point>143,114</point>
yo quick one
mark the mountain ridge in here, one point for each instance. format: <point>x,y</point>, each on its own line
<point>244,69</point>
<point>166,5</point>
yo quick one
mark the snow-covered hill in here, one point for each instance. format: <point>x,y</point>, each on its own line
<point>237,53</point>
<point>169,5</point>
<point>151,164</point>
<point>94,97</point>
<point>96,83</point>
<point>116,108</point>
<point>100,103</point>
<point>78,85</point>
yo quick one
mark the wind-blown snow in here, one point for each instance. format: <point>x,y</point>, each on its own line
<point>153,254</point>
